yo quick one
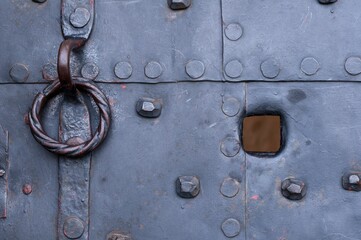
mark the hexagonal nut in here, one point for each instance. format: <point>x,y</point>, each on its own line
<point>187,186</point>
<point>179,4</point>
<point>327,1</point>
<point>351,182</point>
<point>149,107</point>
<point>293,189</point>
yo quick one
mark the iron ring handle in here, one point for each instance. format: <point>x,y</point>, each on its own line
<point>65,49</point>
<point>66,149</point>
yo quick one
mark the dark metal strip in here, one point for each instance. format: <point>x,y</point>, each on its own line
<point>73,218</point>
<point>77,18</point>
<point>4,167</point>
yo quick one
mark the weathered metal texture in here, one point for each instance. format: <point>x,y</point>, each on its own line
<point>77,18</point>
<point>321,145</point>
<point>133,175</point>
<point>4,170</point>
<point>74,175</point>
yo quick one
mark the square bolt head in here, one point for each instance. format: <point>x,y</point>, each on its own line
<point>293,189</point>
<point>352,182</point>
<point>149,107</point>
<point>187,186</point>
<point>179,4</point>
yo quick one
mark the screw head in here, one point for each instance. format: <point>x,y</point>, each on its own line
<point>149,107</point>
<point>2,172</point>
<point>187,186</point>
<point>179,4</point>
<point>293,189</point>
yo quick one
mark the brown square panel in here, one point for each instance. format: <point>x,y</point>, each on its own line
<point>261,134</point>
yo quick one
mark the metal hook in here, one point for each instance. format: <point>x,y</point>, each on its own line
<point>65,49</point>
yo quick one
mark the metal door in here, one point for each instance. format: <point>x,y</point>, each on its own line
<point>177,80</point>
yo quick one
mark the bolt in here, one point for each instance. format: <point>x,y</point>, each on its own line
<point>2,172</point>
<point>351,182</point>
<point>80,17</point>
<point>179,4</point>
<point>327,1</point>
<point>73,228</point>
<point>27,189</point>
<point>293,189</point>
<point>149,107</point>
<point>187,186</point>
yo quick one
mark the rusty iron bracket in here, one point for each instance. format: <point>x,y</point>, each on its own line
<point>73,216</point>
<point>4,168</point>
<point>77,18</point>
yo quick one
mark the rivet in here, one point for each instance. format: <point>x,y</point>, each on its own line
<point>27,189</point>
<point>39,1</point>
<point>90,71</point>
<point>310,66</point>
<point>234,69</point>
<point>153,70</point>
<point>230,146</point>
<point>19,73</point>
<point>230,187</point>
<point>179,4</point>
<point>73,228</point>
<point>231,227</point>
<point>123,70</point>
<point>270,68</point>
<point>353,65</point>
<point>293,189</point>
<point>230,106</point>
<point>2,172</point>
<point>80,17</point>
<point>327,1</point>
<point>187,186</point>
<point>50,72</point>
<point>233,31</point>
<point>195,69</point>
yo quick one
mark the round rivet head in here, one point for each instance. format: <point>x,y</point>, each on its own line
<point>179,4</point>
<point>153,70</point>
<point>231,227</point>
<point>27,189</point>
<point>123,70</point>
<point>80,17</point>
<point>270,68</point>
<point>90,71</point>
<point>73,228</point>
<point>233,31</point>
<point>195,69</point>
<point>234,69</point>
<point>50,72</point>
<point>230,187</point>
<point>310,66</point>
<point>230,146</point>
<point>353,65</point>
<point>19,73</point>
<point>2,172</point>
<point>231,106</point>
<point>39,1</point>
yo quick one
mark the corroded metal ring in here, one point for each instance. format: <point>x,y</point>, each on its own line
<point>61,148</point>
